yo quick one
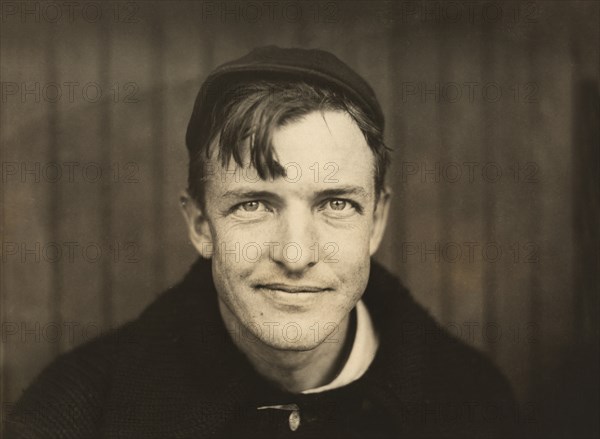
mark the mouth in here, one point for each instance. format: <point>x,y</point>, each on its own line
<point>295,289</point>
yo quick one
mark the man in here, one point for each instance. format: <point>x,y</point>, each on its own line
<point>284,326</point>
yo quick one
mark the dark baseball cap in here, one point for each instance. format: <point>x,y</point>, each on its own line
<point>272,62</point>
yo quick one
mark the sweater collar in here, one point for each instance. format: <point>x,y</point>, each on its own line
<point>226,380</point>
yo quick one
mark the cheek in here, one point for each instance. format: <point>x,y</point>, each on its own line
<point>239,245</point>
<point>348,243</point>
<point>235,252</point>
<point>226,254</point>
<point>230,275</point>
<point>347,255</point>
<point>231,253</point>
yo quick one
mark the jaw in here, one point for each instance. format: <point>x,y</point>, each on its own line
<point>293,366</point>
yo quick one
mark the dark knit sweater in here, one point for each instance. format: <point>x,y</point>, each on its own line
<point>175,373</point>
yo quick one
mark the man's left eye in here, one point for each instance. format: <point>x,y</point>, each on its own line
<point>339,207</point>
<point>338,204</point>
<point>250,206</point>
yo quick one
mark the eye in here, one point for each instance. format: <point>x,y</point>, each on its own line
<point>339,208</point>
<point>250,209</point>
<point>250,206</point>
<point>337,204</point>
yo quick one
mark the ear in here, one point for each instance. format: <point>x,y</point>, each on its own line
<point>380,217</point>
<point>197,224</point>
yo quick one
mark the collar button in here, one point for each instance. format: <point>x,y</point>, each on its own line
<point>294,420</point>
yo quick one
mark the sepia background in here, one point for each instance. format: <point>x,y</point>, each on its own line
<point>492,114</point>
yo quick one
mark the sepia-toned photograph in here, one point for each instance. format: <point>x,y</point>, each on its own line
<point>300,219</point>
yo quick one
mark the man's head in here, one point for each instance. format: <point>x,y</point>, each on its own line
<point>286,195</point>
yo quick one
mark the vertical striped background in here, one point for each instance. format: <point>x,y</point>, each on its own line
<point>534,313</point>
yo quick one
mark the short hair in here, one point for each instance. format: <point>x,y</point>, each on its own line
<point>247,114</point>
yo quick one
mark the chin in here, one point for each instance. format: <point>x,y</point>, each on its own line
<point>299,332</point>
<point>305,344</point>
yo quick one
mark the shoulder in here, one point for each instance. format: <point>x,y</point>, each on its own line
<point>456,381</point>
<point>65,400</point>
<point>467,388</point>
<point>72,396</point>
<point>410,325</point>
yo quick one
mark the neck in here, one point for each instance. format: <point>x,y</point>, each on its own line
<point>294,371</point>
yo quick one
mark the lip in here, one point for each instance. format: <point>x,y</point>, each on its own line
<point>286,288</point>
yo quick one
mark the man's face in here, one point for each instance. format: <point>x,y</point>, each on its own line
<point>291,255</point>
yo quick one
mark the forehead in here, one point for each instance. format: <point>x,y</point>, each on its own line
<point>320,150</point>
<point>320,136</point>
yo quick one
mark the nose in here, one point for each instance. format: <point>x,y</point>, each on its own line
<point>296,247</point>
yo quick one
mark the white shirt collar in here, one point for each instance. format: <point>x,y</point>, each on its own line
<point>362,354</point>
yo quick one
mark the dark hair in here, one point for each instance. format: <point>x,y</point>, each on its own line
<point>253,109</point>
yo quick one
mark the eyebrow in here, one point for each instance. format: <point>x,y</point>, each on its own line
<point>333,192</point>
<point>244,193</point>
<point>343,191</point>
